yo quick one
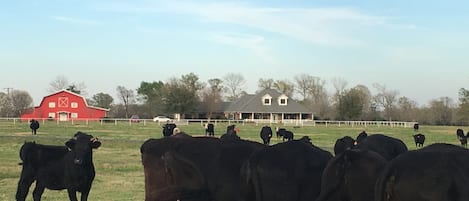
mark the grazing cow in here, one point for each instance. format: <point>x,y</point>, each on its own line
<point>419,139</point>
<point>168,129</point>
<point>386,146</point>
<point>459,133</point>
<point>434,173</point>
<point>58,167</point>
<point>194,168</point>
<point>210,130</point>
<point>285,134</point>
<point>416,127</point>
<point>266,134</point>
<point>343,144</point>
<point>285,171</point>
<point>34,125</point>
<point>351,176</point>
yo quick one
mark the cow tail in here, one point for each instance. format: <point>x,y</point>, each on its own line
<point>385,184</point>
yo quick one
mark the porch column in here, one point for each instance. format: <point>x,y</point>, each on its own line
<point>252,116</point>
<point>271,118</point>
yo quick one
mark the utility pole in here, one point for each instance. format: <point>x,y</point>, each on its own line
<point>8,89</point>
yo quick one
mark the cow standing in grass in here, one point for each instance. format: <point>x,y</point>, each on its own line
<point>419,139</point>
<point>58,167</point>
<point>34,125</point>
<point>266,134</point>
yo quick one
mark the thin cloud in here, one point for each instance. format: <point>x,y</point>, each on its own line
<point>74,20</point>
<point>336,26</point>
<point>253,43</point>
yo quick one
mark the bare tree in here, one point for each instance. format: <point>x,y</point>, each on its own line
<point>441,110</point>
<point>285,86</point>
<point>235,85</point>
<point>20,100</point>
<point>211,96</point>
<point>127,96</point>
<point>304,84</point>
<point>386,99</point>
<point>265,83</point>
<point>339,85</point>
<point>60,82</point>
<point>6,108</point>
<point>406,109</point>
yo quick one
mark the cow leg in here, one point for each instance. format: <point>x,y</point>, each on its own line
<point>84,195</point>
<point>72,195</point>
<point>38,190</point>
<point>26,179</point>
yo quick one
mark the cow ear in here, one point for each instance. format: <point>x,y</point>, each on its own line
<point>70,144</point>
<point>95,144</point>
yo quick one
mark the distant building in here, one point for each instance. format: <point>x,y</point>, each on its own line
<point>267,105</point>
<point>63,106</point>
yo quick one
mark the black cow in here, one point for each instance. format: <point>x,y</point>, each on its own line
<point>463,141</point>
<point>459,133</point>
<point>351,176</point>
<point>343,144</point>
<point>285,171</point>
<point>168,129</point>
<point>416,127</point>
<point>285,134</point>
<point>266,134</point>
<point>419,139</point>
<point>386,146</point>
<point>434,173</point>
<point>210,129</point>
<point>34,125</point>
<point>194,168</point>
<point>361,136</point>
<point>58,167</point>
<point>230,134</point>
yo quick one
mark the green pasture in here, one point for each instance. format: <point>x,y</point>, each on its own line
<point>119,173</point>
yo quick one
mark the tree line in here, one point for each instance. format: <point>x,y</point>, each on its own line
<point>189,96</point>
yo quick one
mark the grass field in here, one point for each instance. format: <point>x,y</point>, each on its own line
<point>119,173</point>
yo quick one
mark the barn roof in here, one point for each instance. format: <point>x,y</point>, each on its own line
<point>75,94</point>
<point>254,103</point>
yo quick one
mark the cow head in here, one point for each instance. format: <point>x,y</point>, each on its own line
<point>81,146</point>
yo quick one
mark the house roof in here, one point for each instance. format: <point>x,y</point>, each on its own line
<point>75,94</point>
<point>254,103</point>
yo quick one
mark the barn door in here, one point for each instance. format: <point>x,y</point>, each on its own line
<point>63,117</point>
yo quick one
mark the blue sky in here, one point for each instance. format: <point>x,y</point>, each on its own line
<point>419,48</point>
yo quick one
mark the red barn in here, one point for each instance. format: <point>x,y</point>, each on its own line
<point>63,106</point>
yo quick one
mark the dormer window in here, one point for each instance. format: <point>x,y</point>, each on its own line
<point>267,100</point>
<point>282,100</point>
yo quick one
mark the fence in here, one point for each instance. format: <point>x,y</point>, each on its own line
<point>285,122</point>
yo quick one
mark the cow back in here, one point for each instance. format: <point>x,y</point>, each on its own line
<point>351,175</point>
<point>285,171</point>
<point>386,146</point>
<point>433,173</point>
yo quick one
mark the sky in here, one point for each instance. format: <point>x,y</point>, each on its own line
<point>419,48</point>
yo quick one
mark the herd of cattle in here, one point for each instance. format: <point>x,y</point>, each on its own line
<point>180,167</point>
